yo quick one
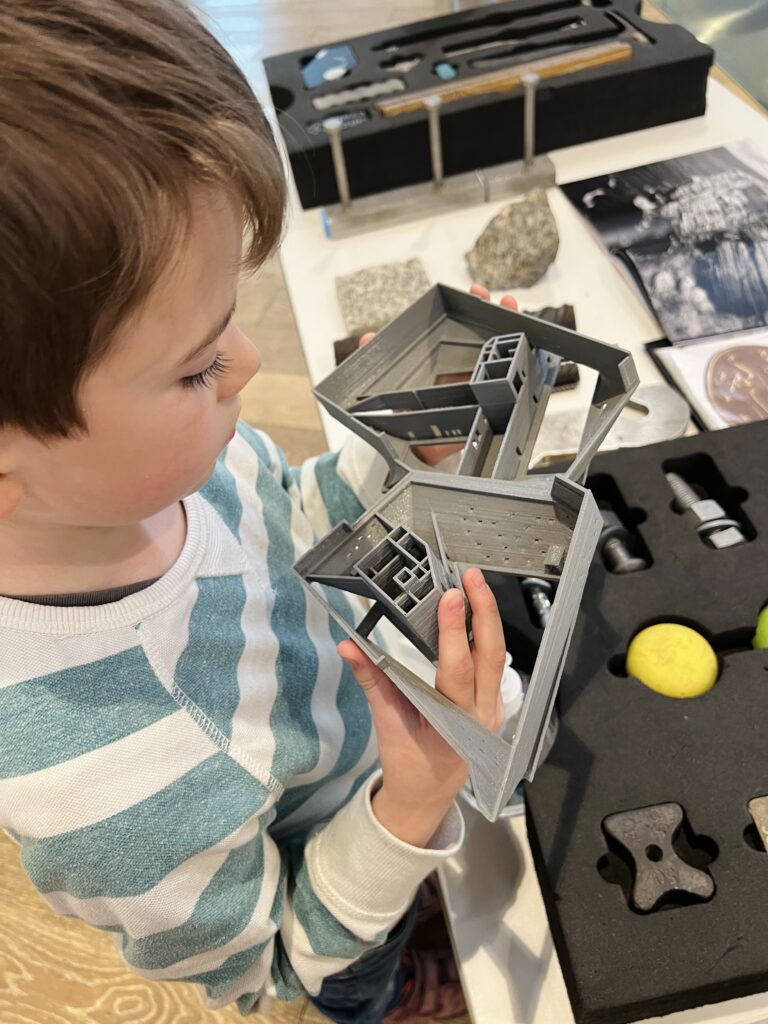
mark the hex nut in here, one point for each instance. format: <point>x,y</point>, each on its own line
<point>726,538</point>
<point>704,510</point>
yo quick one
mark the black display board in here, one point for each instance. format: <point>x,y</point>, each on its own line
<point>622,746</point>
<point>664,80</point>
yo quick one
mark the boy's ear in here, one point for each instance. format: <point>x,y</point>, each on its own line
<point>10,494</point>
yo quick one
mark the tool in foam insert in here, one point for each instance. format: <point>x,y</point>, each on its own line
<point>712,524</point>
<point>760,639</point>
<point>446,71</point>
<point>328,65</point>
<point>549,39</point>
<point>673,660</point>
<point>615,544</point>
<point>541,27</point>
<point>758,809</point>
<point>539,595</point>
<point>357,94</point>
<point>508,79</point>
<point>647,836</point>
<point>346,119</point>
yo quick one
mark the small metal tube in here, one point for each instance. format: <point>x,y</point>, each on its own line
<point>433,105</point>
<point>530,82</point>
<point>332,127</point>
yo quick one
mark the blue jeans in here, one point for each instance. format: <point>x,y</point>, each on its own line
<point>369,988</point>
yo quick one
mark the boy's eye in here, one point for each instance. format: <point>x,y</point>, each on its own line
<point>207,376</point>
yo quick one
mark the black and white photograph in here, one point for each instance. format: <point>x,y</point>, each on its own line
<point>693,232</point>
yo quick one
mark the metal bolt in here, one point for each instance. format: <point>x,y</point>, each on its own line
<point>333,127</point>
<point>540,594</point>
<point>530,82</point>
<point>433,105</point>
<point>712,524</point>
<point>613,546</point>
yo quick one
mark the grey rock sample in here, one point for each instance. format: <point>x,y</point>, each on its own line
<point>517,246</point>
<point>372,297</point>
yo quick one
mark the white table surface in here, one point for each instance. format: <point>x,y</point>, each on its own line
<point>509,967</point>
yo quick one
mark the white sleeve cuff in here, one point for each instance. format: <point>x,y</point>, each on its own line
<point>366,877</point>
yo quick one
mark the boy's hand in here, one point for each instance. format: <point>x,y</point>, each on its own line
<point>433,454</point>
<point>421,772</point>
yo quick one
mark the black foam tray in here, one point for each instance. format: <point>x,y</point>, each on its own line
<point>663,81</point>
<point>622,746</point>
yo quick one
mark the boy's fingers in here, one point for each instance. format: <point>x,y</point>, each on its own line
<point>490,647</point>
<point>366,338</point>
<point>455,671</point>
<point>508,301</point>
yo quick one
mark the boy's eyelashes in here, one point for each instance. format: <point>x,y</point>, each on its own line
<point>206,377</point>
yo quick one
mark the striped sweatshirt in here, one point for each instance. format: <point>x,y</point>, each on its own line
<point>190,768</point>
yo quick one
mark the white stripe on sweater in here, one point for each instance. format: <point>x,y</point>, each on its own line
<point>260,927</point>
<point>256,674</point>
<point>33,655</point>
<point>325,713</point>
<point>330,796</point>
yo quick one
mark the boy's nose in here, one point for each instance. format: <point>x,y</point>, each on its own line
<point>245,364</point>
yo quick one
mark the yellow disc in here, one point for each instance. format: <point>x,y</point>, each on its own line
<point>673,660</point>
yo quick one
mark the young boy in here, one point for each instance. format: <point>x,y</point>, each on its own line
<point>185,761</point>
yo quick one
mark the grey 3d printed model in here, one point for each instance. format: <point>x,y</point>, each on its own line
<point>414,544</point>
<point>453,367</point>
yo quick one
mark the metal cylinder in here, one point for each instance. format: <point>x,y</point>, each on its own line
<point>530,82</point>
<point>542,605</point>
<point>433,105</point>
<point>332,127</point>
<point>540,594</point>
<point>619,558</point>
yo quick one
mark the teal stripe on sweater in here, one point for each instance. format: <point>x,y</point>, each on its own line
<point>291,722</point>
<point>355,713</point>
<point>338,497</point>
<point>222,978</point>
<point>207,672</point>
<point>327,935</point>
<point>222,912</point>
<point>83,708</point>
<point>284,977</point>
<point>203,807</point>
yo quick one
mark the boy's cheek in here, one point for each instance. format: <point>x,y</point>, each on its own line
<point>149,463</point>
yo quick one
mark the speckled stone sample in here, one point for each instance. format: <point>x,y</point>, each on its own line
<point>372,297</point>
<point>517,246</point>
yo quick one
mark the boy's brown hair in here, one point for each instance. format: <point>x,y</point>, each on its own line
<point>109,111</point>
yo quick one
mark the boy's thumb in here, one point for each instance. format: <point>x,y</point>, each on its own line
<point>373,682</point>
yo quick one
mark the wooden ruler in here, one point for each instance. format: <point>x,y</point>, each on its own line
<point>507,79</point>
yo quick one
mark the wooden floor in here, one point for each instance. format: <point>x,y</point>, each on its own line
<point>59,971</point>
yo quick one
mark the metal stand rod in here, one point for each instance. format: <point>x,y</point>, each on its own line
<point>332,127</point>
<point>529,121</point>
<point>433,105</point>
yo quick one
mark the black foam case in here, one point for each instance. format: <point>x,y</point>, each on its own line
<point>622,746</point>
<point>663,81</point>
